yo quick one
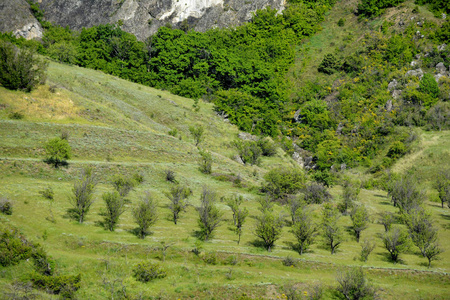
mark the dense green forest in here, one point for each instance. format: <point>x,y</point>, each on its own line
<point>347,119</point>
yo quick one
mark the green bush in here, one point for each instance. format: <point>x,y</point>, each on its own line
<point>281,182</point>
<point>63,285</point>
<point>429,86</point>
<point>205,162</point>
<point>57,151</point>
<point>13,246</point>
<point>147,271</point>
<point>6,206</point>
<point>210,258</point>
<point>397,150</point>
<point>267,147</point>
<point>341,22</point>
<point>249,151</point>
<point>20,69</point>
<point>329,64</point>
<point>373,8</point>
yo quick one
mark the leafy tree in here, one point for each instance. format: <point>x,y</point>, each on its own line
<point>386,218</point>
<point>405,194</point>
<point>443,187</point>
<point>421,230</point>
<point>249,151</point>
<point>304,229</point>
<point>359,216</point>
<point>209,215</point>
<point>432,252</point>
<point>281,182</point>
<point>349,196</point>
<point>178,200</point>
<point>428,85</point>
<point>331,231</point>
<point>268,228</point>
<point>83,192</point>
<point>205,162</point>
<point>145,214</point>
<point>239,214</point>
<point>295,203</point>
<point>353,284</point>
<point>197,134</point>
<point>20,69</point>
<point>57,151</point>
<point>395,241</point>
<point>115,207</point>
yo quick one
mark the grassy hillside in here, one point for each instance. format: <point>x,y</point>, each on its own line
<point>120,127</point>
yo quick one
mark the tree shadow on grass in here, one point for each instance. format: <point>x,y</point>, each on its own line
<point>137,232</point>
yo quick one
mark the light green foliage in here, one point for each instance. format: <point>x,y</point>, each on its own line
<point>304,229</point>
<point>268,228</point>
<point>83,194</point>
<point>350,194</point>
<point>145,215</point>
<point>249,151</point>
<point>197,133</point>
<point>122,184</point>
<point>178,200</point>
<point>115,207</point>
<point>396,150</point>
<point>57,151</point>
<point>406,195</point>
<point>148,271</point>
<point>396,241</point>
<point>295,203</point>
<point>360,220</point>
<point>20,69</point>
<point>209,216</point>
<point>331,231</point>
<point>421,230</point>
<point>205,162</point>
<point>442,185</point>
<point>13,246</point>
<point>429,86</point>
<point>367,246</point>
<point>280,182</point>
<point>386,219</point>
<point>239,214</point>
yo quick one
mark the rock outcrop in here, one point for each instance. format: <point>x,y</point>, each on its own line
<point>16,17</point>
<point>143,17</point>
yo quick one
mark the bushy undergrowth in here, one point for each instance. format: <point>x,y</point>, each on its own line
<point>148,271</point>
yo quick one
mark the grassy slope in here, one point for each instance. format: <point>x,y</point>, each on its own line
<point>119,126</point>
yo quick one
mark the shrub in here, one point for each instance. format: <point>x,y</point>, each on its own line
<point>57,151</point>
<point>115,207</point>
<point>353,285</point>
<point>395,241</point>
<point>145,214</point>
<point>366,248</point>
<point>329,64</point>
<point>341,22</point>
<point>428,85</point>
<point>249,151</point>
<point>197,133</point>
<point>6,206</point>
<point>267,147</point>
<point>13,246</point>
<point>396,150</point>
<point>210,258</point>
<point>20,69</point>
<point>316,193</point>
<point>83,192</point>
<point>268,228</point>
<point>289,261</point>
<point>170,175</point>
<point>205,162</point>
<point>123,185</point>
<point>209,216</point>
<point>147,271</point>
<point>281,182</point>
<point>16,115</point>
<point>64,285</point>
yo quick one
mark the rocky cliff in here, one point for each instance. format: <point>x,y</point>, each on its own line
<point>16,17</point>
<point>144,17</point>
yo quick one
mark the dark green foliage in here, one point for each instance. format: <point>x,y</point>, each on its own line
<point>209,216</point>
<point>329,64</point>
<point>83,192</point>
<point>397,150</point>
<point>443,33</point>
<point>148,271</point>
<point>428,85</point>
<point>20,69</point>
<point>145,215</point>
<point>115,207</point>
<point>373,8</point>
<point>436,5</point>
<point>205,162</point>
<point>324,177</point>
<point>6,206</point>
<point>353,284</point>
<point>170,175</point>
<point>43,264</point>
<point>341,22</point>
<point>280,182</point>
<point>331,231</point>
<point>16,115</point>
<point>249,151</point>
<point>48,193</point>
<point>13,246</point>
<point>395,241</point>
<point>63,285</point>
<point>267,147</point>
<point>57,151</point>
<point>178,200</point>
<point>268,228</point>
